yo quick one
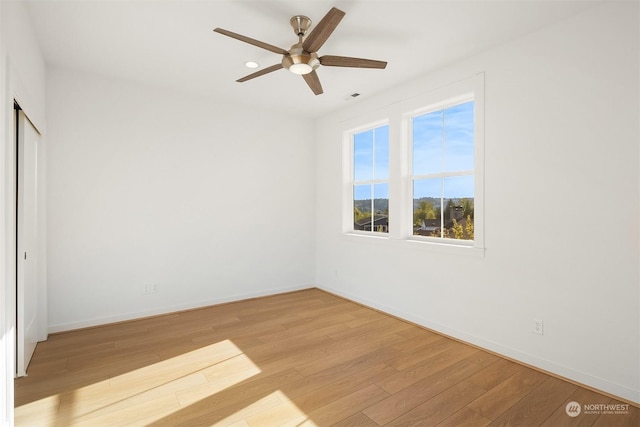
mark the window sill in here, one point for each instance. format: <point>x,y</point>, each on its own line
<point>366,235</point>
<point>414,244</point>
<point>449,248</point>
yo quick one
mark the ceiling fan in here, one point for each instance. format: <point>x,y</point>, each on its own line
<point>302,58</point>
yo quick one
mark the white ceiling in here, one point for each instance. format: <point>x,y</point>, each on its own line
<point>171,44</point>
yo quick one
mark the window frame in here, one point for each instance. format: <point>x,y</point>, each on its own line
<point>440,106</point>
<point>455,93</point>
<point>372,182</point>
<point>397,114</point>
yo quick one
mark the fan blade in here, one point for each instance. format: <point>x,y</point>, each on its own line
<point>260,73</point>
<point>313,81</point>
<point>346,61</point>
<point>323,30</point>
<point>267,46</point>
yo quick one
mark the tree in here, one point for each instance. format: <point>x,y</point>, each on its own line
<point>458,232</point>
<point>468,227</point>
<point>448,209</point>
<point>467,207</point>
<point>358,215</point>
<point>425,211</point>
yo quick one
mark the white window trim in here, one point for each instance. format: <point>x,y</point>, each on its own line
<point>439,106</point>
<point>398,117</point>
<point>349,143</point>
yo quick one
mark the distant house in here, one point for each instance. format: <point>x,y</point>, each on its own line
<point>381,224</point>
<point>427,228</point>
<point>431,227</point>
<point>456,212</point>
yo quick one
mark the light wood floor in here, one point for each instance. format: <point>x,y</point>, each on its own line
<point>299,359</point>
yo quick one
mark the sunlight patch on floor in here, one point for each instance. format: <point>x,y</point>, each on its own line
<point>274,409</point>
<point>40,412</point>
<point>218,378</point>
<point>148,393</point>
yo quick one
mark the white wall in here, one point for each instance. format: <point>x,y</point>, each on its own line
<point>211,202</point>
<point>25,61</point>
<point>22,77</point>
<point>562,208</point>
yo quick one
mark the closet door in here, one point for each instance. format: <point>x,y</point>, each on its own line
<point>27,326</point>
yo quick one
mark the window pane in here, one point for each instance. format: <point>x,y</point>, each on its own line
<point>459,137</point>
<point>427,198</point>
<point>382,152</point>
<point>427,143</point>
<point>459,207</point>
<point>363,156</point>
<point>371,163</point>
<point>362,207</point>
<point>381,208</point>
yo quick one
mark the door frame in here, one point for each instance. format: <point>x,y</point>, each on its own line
<point>28,322</point>
<point>14,89</point>
<point>11,198</point>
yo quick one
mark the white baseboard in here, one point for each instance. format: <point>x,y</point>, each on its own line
<point>99,321</point>
<point>566,372</point>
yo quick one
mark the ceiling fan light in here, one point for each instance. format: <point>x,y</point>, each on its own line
<point>301,68</point>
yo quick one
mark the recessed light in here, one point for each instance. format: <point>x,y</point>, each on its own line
<point>251,64</point>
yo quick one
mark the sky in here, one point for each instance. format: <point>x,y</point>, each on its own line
<point>368,146</point>
<point>442,142</point>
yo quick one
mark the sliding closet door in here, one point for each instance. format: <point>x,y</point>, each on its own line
<point>28,323</point>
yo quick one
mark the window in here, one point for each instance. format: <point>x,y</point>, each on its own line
<point>371,180</point>
<point>442,144</point>
<point>423,161</point>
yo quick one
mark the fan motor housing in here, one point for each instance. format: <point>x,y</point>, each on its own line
<point>297,55</point>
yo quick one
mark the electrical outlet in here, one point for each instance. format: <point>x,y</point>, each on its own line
<point>151,289</point>
<point>538,326</point>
